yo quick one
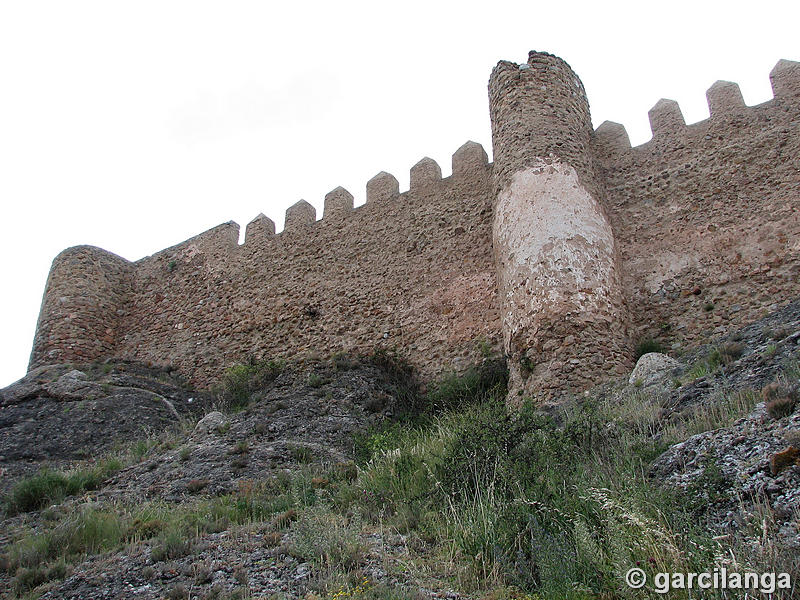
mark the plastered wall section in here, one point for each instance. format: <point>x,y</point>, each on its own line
<point>707,216</point>
<point>412,272</point>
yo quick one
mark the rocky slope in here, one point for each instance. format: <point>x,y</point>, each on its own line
<point>295,439</point>
<point>59,414</point>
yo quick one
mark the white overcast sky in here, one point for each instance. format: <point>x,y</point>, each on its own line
<point>135,125</point>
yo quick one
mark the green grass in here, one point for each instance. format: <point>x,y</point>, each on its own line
<point>556,507</point>
<point>493,503</point>
<point>327,538</point>
<point>646,346</point>
<point>242,380</point>
<point>49,487</point>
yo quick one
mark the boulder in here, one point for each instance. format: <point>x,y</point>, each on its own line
<point>213,422</point>
<point>651,368</point>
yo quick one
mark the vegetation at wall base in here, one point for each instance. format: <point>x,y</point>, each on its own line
<point>498,504</point>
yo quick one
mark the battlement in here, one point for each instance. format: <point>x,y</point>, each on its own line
<point>469,165</point>
<point>563,253</point>
<point>725,102</point>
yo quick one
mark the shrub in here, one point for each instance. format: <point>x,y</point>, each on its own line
<point>315,380</point>
<point>301,454</point>
<point>646,346</point>
<point>477,384</point>
<point>777,408</point>
<point>548,504</point>
<point>37,491</point>
<point>171,545</point>
<point>326,538</point>
<point>730,351</point>
<point>48,487</point>
<point>779,400</point>
<point>196,485</point>
<point>386,436</point>
<point>400,381</point>
<point>241,380</point>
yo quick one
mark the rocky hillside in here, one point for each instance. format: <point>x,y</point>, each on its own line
<point>340,478</point>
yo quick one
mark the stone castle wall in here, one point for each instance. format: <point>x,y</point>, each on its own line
<point>412,272</point>
<point>707,216</point>
<point>564,253</point>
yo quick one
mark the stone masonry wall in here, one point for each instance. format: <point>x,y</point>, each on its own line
<point>85,299</point>
<point>564,253</point>
<point>411,271</point>
<point>563,309</point>
<point>707,216</point>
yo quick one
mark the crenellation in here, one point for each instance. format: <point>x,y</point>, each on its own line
<point>785,78</point>
<point>612,137</point>
<point>259,229</point>
<point>724,97</point>
<point>468,159</point>
<point>299,214</point>
<point>383,186</point>
<point>565,251</point>
<point>425,175</point>
<point>666,118</point>
<point>338,202</point>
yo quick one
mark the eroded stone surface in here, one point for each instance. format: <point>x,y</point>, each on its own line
<point>651,367</point>
<point>556,266</point>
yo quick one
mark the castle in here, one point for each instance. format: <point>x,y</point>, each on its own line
<point>563,253</point>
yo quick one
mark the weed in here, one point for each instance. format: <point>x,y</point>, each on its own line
<point>239,463</point>
<point>141,448</point>
<point>241,447</point>
<point>177,592</point>
<point>484,347</point>
<point>526,366</point>
<point>241,380</point>
<point>88,531</point>
<point>48,487</point>
<point>342,362</point>
<point>647,346</point>
<point>326,538</point>
<point>721,410</point>
<point>301,454</point>
<point>171,545</point>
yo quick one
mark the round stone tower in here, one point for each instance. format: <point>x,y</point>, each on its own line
<point>84,302</point>
<point>562,303</point>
